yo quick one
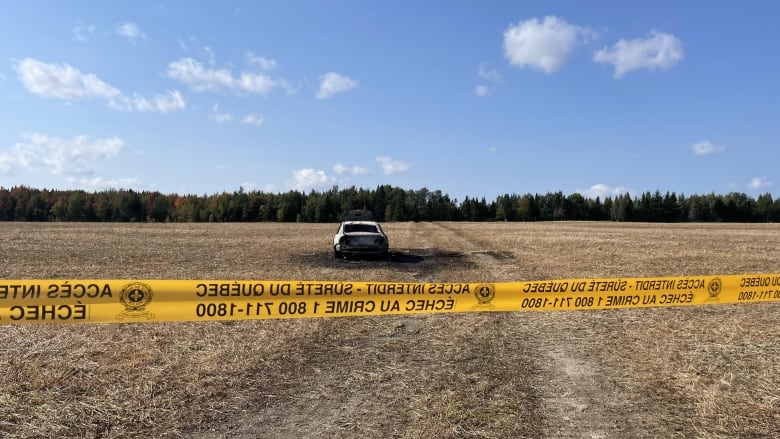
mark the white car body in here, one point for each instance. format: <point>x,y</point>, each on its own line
<point>360,237</point>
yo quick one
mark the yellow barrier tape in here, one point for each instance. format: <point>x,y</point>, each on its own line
<point>92,301</point>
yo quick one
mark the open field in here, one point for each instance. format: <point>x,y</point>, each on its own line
<point>709,372</point>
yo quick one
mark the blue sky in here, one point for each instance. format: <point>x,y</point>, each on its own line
<point>471,98</point>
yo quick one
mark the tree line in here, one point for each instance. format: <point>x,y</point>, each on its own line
<point>388,203</point>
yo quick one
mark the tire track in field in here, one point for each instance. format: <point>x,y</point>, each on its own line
<point>493,264</point>
<point>441,257</point>
<point>577,397</point>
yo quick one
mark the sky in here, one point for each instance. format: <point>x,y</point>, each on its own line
<point>471,98</point>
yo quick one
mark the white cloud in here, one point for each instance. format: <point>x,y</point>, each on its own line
<point>99,183</point>
<point>489,75</point>
<point>227,117</point>
<point>603,191</point>
<point>184,43</point>
<point>211,55</point>
<point>200,78</point>
<point>308,178</point>
<point>8,164</point>
<point>253,119</point>
<point>166,103</point>
<point>223,118</point>
<point>261,61</point>
<point>760,183</point>
<point>130,31</point>
<point>390,166</point>
<point>658,51</point>
<point>61,81</point>
<point>192,72</point>
<point>83,32</point>
<point>542,44</point>
<point>705,147</point>
<point>332,83</point>
<point>66,157</point>
<point>248,186</point>
<point>482,90</point>
<point>341,169</point>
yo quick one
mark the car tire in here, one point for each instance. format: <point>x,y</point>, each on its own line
<point>336,254</point>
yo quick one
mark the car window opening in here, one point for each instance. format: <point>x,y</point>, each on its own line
<point>356,228</point>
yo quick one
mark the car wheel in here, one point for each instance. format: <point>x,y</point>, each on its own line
<point>336,254</point>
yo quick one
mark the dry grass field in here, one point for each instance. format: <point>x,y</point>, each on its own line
<point>707,372</point>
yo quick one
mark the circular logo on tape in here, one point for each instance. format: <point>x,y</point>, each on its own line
<point>714,287</point>
<point>485,293</point>
<point>135,296</point>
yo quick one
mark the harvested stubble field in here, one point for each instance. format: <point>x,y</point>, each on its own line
<point>709,372</point>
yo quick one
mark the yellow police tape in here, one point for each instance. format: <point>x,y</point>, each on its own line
<point>92,301</point>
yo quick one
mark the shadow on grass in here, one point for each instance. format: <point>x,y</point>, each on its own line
<point>429,259</point>
<point>391,258</point>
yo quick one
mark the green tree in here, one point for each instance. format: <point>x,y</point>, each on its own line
<point>78,208</point>
<point>527,209</point>
<point>160,209</point>
<point>765,208</point>
<point>576,207</point>
<point>7,205</point>
<point>129,206</point>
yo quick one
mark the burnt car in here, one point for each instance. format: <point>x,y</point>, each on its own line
<point>360,234</point>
